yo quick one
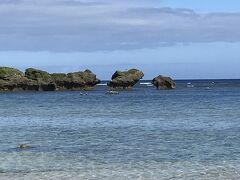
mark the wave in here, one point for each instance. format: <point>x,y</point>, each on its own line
<point>102,84</point>
<point>145,83</point>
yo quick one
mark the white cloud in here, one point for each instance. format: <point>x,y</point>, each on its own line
<point>74,25</point>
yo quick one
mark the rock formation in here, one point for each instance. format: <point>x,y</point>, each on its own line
<point>43,79</point>
<point>162,82</point>
<point>125,79</point>
<point>14,80</point>
<point>75,81</point>
<point>37,80</point>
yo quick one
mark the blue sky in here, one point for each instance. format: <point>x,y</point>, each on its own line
<point>184,39</point>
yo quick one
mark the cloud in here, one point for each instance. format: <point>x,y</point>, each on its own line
<point>74,25</point>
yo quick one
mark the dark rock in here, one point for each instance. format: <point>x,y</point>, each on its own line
<point>24,146</point>
<point>125,79</point>
<point>163,82</point>
<point>47,86</point>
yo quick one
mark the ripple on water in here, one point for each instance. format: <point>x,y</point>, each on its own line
<point>188,133</point>
<point>146,171</point>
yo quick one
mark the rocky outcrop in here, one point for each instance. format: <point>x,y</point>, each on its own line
<point>163,82</point>
<point>75,81</point>
<point>37,80</point>
<point>36,74</point>
<point>43,79</point>
<point>125,79</point>
<point>14,80</point>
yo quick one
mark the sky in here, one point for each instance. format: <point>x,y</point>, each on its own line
<point>184,39</point>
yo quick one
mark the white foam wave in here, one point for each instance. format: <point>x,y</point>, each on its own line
<point>102,84</point>
<point>146,83</point>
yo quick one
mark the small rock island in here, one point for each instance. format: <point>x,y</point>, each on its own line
<point>163,82</point>
<point>12,79</point>
<point>125,79</point>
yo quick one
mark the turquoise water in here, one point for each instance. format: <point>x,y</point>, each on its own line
<point>187,133</point>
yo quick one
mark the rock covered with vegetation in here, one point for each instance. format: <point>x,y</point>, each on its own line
<point>12,79</point>
<point>43,79</point>
<point>125,79</point>
<point>75,81</point>
<point>37,80</point>
<point>163,82</point>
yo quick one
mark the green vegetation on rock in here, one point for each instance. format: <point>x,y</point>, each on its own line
<point>6,72</point>
<point>36,74</point>
<point>125,79</point>
<point>37,80</point>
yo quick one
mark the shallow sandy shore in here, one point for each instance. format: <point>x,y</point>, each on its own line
<point>153,172</point>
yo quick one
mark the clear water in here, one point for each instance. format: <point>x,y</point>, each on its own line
<point>188,133</point>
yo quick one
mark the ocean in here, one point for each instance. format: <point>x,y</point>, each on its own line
<point>192,132</point>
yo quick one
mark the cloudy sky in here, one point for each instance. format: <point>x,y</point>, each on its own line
<point>185,39</point>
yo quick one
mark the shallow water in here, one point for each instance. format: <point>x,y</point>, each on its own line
<point>188,133</point>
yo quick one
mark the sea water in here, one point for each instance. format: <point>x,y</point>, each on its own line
<point>192,132</point>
